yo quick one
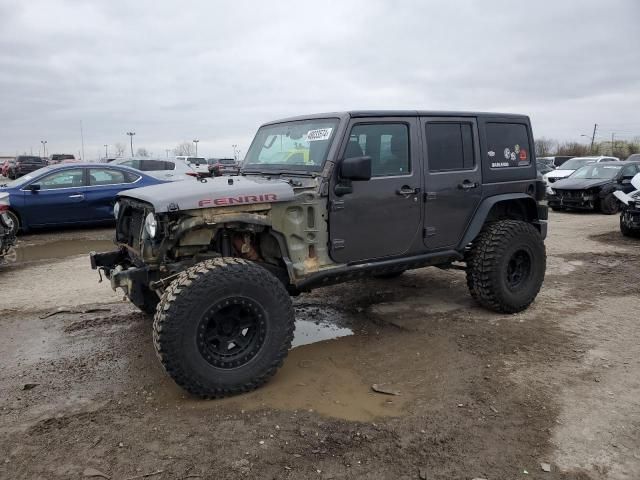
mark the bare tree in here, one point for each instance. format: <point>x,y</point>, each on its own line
<point>120,149</point>
<point>143,152</point>
<point>545,147</point>
<point>185,148</point>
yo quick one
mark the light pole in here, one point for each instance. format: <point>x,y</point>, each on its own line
<point>195,140</point>
<point>235,152</point>
<point>131,134</point>
<point>167,150</point>
<point>106,151</point>
<point>44,147</point>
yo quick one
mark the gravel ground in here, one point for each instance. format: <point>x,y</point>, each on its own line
<point>482,395</point>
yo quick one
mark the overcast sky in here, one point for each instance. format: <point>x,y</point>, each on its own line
<point>174,71</point>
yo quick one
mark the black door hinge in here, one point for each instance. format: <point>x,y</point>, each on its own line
<point>337,243</point>
<point>337,205</point>
<point>429,231</point>
<point>429,196</point>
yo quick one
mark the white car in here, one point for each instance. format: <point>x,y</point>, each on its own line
<point>570,166</point>
<point>168,169</point>
<point>199,164</point>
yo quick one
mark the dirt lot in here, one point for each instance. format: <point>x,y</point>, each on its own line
<point>481,395</point>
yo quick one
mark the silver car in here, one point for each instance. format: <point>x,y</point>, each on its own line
<point>167,169</point>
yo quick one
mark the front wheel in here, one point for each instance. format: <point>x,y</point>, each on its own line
<point>223,327</point>
<point>506,266</point>
<point>628,231</point>
<point>609,205</point>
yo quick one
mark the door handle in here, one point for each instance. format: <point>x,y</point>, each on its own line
<point>406,190</point>
<point>80,195</point>
<point>467,185</point>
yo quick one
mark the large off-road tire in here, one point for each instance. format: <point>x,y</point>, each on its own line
<point>628,232</point>
<point>223,327</point>
<point>609,204</point>
<point>506,266</point>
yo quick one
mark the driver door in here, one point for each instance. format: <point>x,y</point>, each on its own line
<point>60,198</point>
<point>380,217</point>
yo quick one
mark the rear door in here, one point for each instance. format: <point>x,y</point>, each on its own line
<point>453,180</point>
<point>59,200</point>
<point>104,185</point>
<point>381,217</point>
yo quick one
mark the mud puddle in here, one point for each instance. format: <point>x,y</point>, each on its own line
<point>319,323</point>
<point>30,252</point>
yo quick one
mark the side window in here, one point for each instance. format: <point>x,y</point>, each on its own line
<point>104,176</point>
<point>131,163</point>
<point>449,146</point>
<point>64,179</point>
<point>508,145</point>
<point>386,143</point>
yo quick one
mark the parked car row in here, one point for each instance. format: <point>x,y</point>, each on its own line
<point>15,167</point>
<point>68,194</point>
<point>593,186</point>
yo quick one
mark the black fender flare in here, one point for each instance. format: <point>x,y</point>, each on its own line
<point>485,207</point>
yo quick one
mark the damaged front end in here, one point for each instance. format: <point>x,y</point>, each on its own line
<point>630,215</point>
<point>7,236</point>
<point>578,199</point>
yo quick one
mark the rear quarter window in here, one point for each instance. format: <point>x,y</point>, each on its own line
<point>507,145</point>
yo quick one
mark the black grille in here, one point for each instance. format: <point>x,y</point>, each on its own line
<point>570,193</point>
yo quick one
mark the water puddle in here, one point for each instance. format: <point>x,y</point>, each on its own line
<point>320,373</point>
<point>27,253</point>
<point>318,323</point>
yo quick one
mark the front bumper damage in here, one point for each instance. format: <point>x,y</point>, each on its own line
<point>116,266</point>
<point>630,217</point>
<point>577,199</point>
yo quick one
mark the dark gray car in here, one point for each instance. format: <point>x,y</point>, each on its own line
<point>324,199</point>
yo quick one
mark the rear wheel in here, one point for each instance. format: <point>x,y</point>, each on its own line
<point>609,204</point>
<point>506,266</point>
<point>224,326</point>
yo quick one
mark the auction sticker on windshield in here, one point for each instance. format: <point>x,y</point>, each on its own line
<point>319,134</point>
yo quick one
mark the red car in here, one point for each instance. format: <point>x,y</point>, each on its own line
<point>4,168</point>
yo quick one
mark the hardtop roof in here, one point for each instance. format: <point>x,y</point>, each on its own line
<point>401,113</point>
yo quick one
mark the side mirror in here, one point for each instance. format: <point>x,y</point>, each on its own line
<point>356,168</point>
<point>34,187</point>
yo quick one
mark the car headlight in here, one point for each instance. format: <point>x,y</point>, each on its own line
<point>151,225</point>
<point>116,210</point>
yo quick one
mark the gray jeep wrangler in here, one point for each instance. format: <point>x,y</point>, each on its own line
<point>323,199</point>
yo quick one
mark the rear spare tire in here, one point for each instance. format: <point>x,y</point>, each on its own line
<point>506,266</point>
<point>223,327</point>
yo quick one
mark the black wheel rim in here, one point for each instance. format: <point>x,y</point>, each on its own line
<point>231,332</point>
<point>518,269</point>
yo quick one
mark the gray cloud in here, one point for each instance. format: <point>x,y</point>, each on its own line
<point>174,71</point>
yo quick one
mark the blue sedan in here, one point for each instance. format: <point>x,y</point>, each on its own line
<point>68,194</point>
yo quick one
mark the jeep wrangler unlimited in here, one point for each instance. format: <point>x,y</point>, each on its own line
<point>323,199</point>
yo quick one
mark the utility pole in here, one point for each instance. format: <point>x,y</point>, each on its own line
<point>593,137</point>
<point>106,151</point>
<point>82,139</point>
<point>195,140</point>
<point>612,140</point>
<point>131,134</point>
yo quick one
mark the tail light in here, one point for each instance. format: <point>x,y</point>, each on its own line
<point>4,208</point>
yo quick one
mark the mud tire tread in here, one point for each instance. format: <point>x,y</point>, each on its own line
<point>483,263</point>
<point>181,292</point>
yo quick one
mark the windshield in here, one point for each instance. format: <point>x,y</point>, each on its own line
<point>575,163</point>
<point>301,145</point>
<point>598,170</point>
<point>18,182</point>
